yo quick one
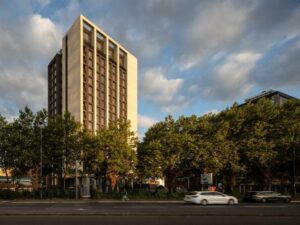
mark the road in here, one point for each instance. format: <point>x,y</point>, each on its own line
<point>143,212</point>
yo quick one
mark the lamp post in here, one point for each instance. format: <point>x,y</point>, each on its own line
<point>294,171</point>
<point>41,162</point>
<point>76,181</point>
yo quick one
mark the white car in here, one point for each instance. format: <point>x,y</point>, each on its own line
<point>210,197</point>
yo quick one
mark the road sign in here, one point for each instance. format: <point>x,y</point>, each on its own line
<point>206,178</point>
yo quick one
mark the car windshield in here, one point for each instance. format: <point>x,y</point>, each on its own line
<point>193,193</point>
<point>212,193</point>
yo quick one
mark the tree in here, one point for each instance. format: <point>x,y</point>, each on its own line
<point>164,150</point>
<point>5,157</point>
<point>53,149</point>
<point>288,142</point>
<point>92,155</point>
<point>118,144</point>
<point>62,145</point>
<point>257,146</point>
<point>22,144</point>
<point>71,142</point>
<point>226,126</point>
<point>40,121</point>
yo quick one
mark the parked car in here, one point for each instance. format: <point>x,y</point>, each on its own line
<point>266,196</point>
<point>209,197</point>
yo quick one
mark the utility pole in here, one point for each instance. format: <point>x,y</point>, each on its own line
<point>41,161</point>
<point>76,182</point>
<point>294,171</point>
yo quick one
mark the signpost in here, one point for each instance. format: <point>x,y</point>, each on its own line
<point>207,178</point>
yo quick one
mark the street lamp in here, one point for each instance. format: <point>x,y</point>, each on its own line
<point>76,181</point>
<point>294,171</point>
<point>41,161</point>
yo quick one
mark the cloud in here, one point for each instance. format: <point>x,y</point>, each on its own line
<point>214,27</point>
<point>35,38</point>
<point>230,79</point>
<point>280,69</point>
<point>213,111</point>
<point>26,49</point>
<point>145,121</point>
<point>65,16</point>
<point>42,3</point>
<point>154,86</point>
<point>177,39</point>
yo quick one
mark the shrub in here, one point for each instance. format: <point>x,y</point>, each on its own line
<point>7,194</point>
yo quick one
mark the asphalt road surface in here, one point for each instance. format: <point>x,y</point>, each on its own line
<point>135,212</point>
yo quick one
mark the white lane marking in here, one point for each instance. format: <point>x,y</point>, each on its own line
<point>267,206</point>
<point>32,202</point>
<point>82,209</point>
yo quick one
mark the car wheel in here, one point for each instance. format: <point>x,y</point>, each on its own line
<point>287,200</point>
<point>204,202</point>
<point>230,202</point>
<point>264,200</point>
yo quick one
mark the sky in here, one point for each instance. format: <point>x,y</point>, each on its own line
<point>194,56</point>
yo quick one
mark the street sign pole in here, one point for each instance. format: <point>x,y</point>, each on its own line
<point>76,182</point>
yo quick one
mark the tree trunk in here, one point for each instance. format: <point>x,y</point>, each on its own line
<point>112,176</point>
<point>267,178</point>
<point>170,179</point>
<point>7,179</point>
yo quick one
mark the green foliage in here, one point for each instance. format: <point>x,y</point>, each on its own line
<point>7,194</point>
<point>115,149</point>
<point>24,194</point>
<point>5,153</point>
<point>137,195</point>
<point>255,142</point>
<point>95,194</point>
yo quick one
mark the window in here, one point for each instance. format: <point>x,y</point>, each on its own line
<point>90,63</point>
<point>90,73</point>
<point>90,98</point>
<point>112,48</point>
<point>102,104</point>
<point>122,98</point>
<point>100,36</point>
<point>123,83</point>
<point>90,108</point>
<point>102,79</point>
<point>102,95</point>
<point>90,54</point>
<point>90,116</point>
<point>122,58</point>
<point>102,62</point>
<point>90,90</point>
<point>87,26</point>
<point>90,81</point>
<point>102,121</point>
<point>99,46</point>
<point>102,71</point>
<point>86,37</point>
